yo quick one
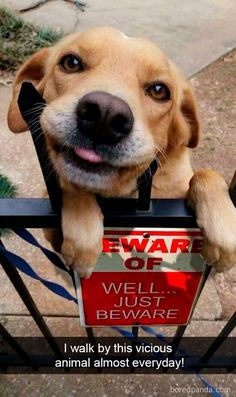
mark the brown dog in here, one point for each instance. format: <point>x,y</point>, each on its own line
<point>114,104</point>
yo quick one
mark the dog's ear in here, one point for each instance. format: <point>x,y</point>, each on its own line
<point>33,70</point>
<point>185,124</point>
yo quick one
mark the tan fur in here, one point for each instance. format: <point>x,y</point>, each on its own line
<point>123,66</point>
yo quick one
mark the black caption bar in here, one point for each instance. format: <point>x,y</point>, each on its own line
<point>117,355</point>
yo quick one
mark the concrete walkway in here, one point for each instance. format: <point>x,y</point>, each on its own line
<point>193,33</point>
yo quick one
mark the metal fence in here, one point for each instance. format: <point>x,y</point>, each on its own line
<point>45,213</point>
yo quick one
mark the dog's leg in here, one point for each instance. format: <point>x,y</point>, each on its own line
<point>82,227</point>
<point>54,236</point>
<point>216,216</point>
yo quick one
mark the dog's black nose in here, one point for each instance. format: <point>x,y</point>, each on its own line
<point>105,118</point>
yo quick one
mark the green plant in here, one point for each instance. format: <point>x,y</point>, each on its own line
<point>19,39</point>
<point>7,190</point>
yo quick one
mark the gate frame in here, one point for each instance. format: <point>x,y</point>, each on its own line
<point>45,213</point>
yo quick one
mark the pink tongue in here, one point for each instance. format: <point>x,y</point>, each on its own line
<point>89,155</point>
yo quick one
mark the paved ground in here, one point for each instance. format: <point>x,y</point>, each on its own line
<point>194,34</point>
<point>118,385</point>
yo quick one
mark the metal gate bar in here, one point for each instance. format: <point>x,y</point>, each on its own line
<point>182,328</point>
<point>28,99</point>
<point>224,333</point>
<point>24,294</point>
<point>15,346</point>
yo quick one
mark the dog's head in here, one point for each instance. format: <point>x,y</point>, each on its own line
<point>114,103</point>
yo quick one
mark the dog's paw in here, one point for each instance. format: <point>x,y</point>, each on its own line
<point>216,216</point>
<point>221,259</point>
<point>82,227</point>
<point>219,231</point>
<point>54,237</point>
<point>81,260</point>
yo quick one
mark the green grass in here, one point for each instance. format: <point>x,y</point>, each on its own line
<point>19,39</point>
<point>7,190</point>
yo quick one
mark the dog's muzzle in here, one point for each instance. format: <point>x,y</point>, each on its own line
<point>104,118</point>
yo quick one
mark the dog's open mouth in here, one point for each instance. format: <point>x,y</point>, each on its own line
<point>86,159</point>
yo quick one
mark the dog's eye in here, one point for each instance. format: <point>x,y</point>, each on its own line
<point>159,91</point>
<point>71,63</point>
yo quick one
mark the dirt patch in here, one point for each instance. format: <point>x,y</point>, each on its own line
<point>216,95</point>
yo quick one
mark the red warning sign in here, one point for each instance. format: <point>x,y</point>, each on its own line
<point>143,277</point>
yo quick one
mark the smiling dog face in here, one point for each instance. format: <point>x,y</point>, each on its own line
<point>114,104</point>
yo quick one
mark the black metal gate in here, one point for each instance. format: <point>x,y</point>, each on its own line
<point>45,213</point>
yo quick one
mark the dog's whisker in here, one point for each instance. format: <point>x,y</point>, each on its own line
<point>35,109</point>
<point>33,124</point>
<point>50,172</point>
<point>162,151</point>
<point>36,131</point>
